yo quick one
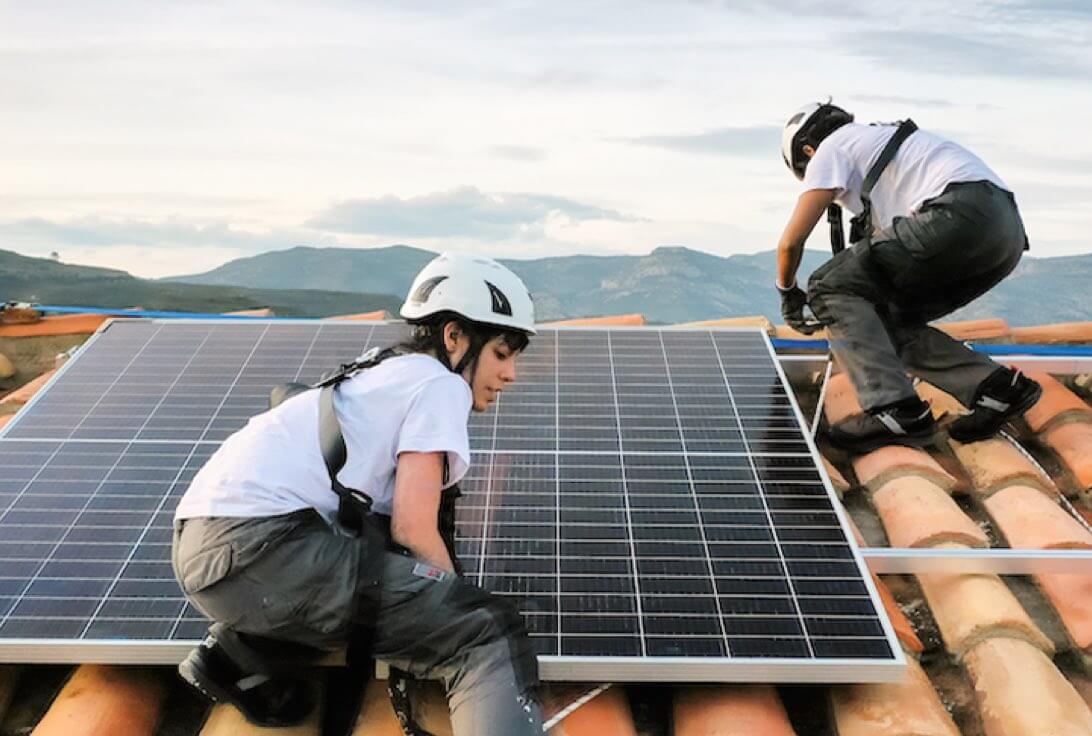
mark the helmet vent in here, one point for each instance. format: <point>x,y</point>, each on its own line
<point>501,305</point>
<point>426,288</point>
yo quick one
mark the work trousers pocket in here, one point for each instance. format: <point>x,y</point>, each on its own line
<point>205,568</point>
<point>214,557</point>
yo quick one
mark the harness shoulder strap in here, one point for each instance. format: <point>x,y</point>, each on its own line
<point>861,225</point>
<point>353,505</point>
<point>905,129</point>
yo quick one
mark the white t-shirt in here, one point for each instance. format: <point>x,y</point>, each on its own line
<point>922,167</point>
<point>274,464</point>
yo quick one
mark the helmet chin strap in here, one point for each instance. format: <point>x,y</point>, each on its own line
<point>469,358</point>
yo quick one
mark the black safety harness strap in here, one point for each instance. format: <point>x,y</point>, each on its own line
<point>355,515</point>
<point>837,234</point>
<point>860,227</point>
<point>354,506</point>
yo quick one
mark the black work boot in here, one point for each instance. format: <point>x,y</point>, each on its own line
<point>1004,395</point>
<point>907,422</point>
<point>265,701</point>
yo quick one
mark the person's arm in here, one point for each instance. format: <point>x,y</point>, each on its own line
<point>809,208</point>
<point>417,487</point>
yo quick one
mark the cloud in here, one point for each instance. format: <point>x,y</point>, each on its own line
<point>462,212</point>
<point>99,232</point>
<point>993,55</point>
<point>820,8</point>
<point>758,140</point>
<point>1038,9</point>
<point>517,153</point>
<point>899,100</point>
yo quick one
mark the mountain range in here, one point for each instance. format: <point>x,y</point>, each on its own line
<point>671,284</point>
<point>44,281</point>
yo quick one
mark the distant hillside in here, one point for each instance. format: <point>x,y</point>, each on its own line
<point>669,285</point>
<point>44,281</point>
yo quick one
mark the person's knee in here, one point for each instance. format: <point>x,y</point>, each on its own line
<point>492,636</point>
<point>484,618</point>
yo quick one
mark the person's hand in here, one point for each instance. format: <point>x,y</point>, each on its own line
<point>793,301</point>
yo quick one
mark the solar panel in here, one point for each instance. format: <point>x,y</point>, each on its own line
<point>647,497</point>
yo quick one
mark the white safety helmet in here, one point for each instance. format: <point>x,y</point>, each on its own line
<point>797,132</point>
<point>474,287</point>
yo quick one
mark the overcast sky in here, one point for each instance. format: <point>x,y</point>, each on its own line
<point>168,137</point>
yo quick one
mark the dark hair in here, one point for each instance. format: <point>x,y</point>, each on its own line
<point>827,119</point>
<point>428,336</point>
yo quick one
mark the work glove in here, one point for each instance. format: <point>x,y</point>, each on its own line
<point>793,301</point>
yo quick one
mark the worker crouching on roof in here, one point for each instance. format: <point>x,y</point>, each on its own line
<point>938,230</point>
<point>260,549</point>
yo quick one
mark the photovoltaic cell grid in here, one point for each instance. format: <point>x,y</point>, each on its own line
<point>646,496</point>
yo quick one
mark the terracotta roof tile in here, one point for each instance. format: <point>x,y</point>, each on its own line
<point>23,394</point>
<point>904,630</point>
<point>1031,520</point>
<point>784,332</point>
<point>1071,597</point>
<point>1073,443</point>
<point>608,713</point>
<point>878,467</point>
<point>376,316</point>
<point>996,463</point>
<point>918,513</point>
<point>841,399</point>
<point>1021,693</point>
<point>1062,332</point>
<point>976,329</point>
<point>67,324</point>
<point>756,321</point>
<point>619,320</point>
<point>1058,403</point>
<point>942,403</point>
<point>970,608</point>
<point>837,480</point>
<point>731,710</point>
<point>909,708</point>
<point>105,699</point>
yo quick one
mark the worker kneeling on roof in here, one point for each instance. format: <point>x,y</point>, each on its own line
<point>938,230</point>
<point>285,565</point>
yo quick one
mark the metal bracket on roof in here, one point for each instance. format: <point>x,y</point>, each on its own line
<point>892,560</point>
<point>822,399</point>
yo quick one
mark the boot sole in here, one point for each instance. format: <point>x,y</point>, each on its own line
<point>1017,410</point>
<point>196,677</point>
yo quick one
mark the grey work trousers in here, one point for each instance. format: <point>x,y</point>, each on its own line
<point>293,580</point>
<point>876,298</point>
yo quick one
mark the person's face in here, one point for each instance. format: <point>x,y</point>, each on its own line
<point>495,368</point>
